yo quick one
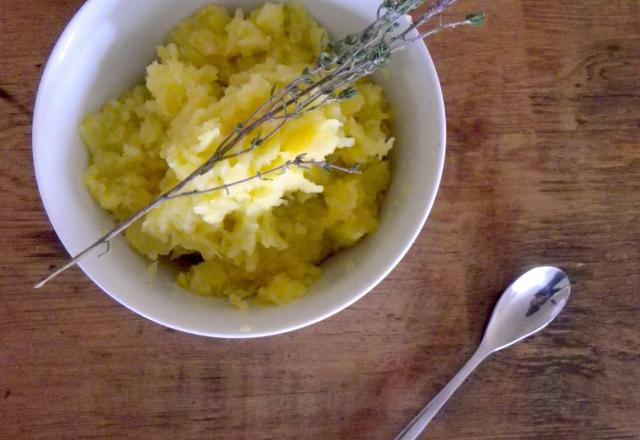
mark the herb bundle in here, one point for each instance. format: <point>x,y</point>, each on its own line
<point>338,68</point>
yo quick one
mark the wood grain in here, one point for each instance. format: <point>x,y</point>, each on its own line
<point>543,166</point>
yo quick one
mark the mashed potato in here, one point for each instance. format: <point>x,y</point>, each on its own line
<point>264,240</point>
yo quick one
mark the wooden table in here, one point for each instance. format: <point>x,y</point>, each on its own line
<point>543,167</point>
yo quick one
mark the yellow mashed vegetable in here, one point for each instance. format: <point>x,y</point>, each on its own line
<point>263,241</point>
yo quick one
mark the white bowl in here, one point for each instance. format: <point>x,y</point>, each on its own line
<point>104,51</point>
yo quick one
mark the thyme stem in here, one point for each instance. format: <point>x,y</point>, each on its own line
<point>338,68</point>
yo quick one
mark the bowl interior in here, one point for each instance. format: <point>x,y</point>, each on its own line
<point>105,49</point>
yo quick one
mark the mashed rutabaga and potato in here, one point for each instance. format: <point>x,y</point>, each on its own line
<point>264,240</point>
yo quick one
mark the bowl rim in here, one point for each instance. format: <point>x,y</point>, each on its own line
<point>58,52</point>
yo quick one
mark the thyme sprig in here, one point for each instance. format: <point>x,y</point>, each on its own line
<point>332,79</point>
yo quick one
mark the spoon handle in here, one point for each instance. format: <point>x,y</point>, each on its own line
<point>417,425</point>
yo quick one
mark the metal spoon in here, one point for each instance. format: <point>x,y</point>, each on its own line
<point>526,307</point>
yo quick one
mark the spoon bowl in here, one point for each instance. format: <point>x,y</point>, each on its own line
<point>527,306</point>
